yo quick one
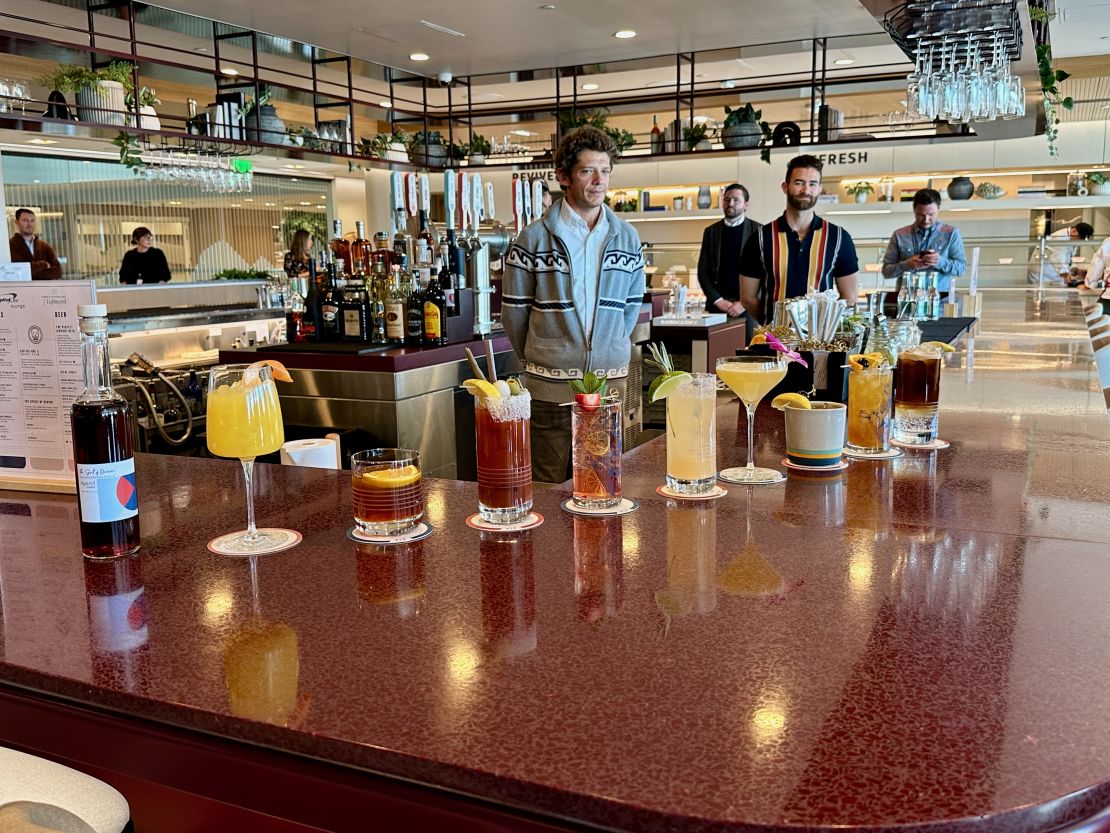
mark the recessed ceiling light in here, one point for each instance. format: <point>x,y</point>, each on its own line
<point>229,71</point>
<point>385,104</point>
<point>701,119</point>
<point>249,199</point>
<point>321,206</point>
<point>87,161</point>
<point>548,7</point>
<point>844,62</point>
<point>200,49</point>
<point>42,142</point>
<point>624,34</point>
<point>304,203</point>
<point>418,56</point>
<point>589,86</point>
<point>294,179</point>
<point>275,226</point>
<point>728,84</point>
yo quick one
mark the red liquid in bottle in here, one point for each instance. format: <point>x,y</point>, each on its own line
<point>102,434</point>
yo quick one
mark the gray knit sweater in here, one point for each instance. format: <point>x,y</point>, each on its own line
<point>539,315</point>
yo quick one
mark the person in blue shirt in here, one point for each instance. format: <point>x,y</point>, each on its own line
<point>928,244</point>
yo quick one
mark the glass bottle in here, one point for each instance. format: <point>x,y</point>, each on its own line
<point>103,454</point>
<point>656,136</point>
<point>435,314</point>
<point>294,316</point>
<point>341,249</point>
<point>329,305</point>
<point>383,251</point>
<point>447,278</point>
<point>402,240</point>
<point>377,292</point>
<point>425,246</point>
<point>361,250</point>
<point>193,394</point>
<point>395,309</point>
<point>354,313</point>
<point>414,312</point>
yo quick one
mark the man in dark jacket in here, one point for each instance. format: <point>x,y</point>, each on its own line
<point>27,248</point>
<point>721,245</point>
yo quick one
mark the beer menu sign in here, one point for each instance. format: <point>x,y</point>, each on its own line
<point>40,376</point>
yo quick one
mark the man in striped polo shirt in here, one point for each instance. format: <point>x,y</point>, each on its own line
<point>799,251</point>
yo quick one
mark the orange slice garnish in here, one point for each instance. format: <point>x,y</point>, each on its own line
<point>277,370</point>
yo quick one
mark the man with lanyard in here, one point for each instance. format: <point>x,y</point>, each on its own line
<point>798,252</point>
<point>927,244</point>
<point>721,245</point>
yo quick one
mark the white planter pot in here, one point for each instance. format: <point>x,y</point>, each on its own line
<point>148,119</point>
<point>1100,189</point>
<point>861,197</point>
<point>477,159</point>
<point>397,153</point>
<point>102,103</point>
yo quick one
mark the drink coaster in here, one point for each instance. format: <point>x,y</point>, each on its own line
<point>726,475</point>
<point>872,455</point>
<point>718,491</point>
<point>933,446</point>
<point>419,532</point>
<point>529,521</point>
<point>843,464</point>
<point>623,508</point>
<point>283,539</point>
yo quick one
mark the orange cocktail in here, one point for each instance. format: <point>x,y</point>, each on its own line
<point>387,490</point>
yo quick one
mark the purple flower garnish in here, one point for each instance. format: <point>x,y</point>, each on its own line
<point>791,355</point>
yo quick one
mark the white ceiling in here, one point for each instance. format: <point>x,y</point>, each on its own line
<point>503,35</point>
<point>1080,28</point>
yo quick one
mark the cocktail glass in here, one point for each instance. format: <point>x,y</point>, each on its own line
<point>917,394</point>
<point>692,435</point>
<point>387,490</point>
<point>869,391</point>
<point>244,421</point>
<point>751,378</point>
<point>504,456</point>
<point>596,455</point>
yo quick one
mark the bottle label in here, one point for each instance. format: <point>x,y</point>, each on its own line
<point>432,324</point>
<point>351,323</point>
<point>106,491</point>
<point>395,320</point>
<point>329,312</point>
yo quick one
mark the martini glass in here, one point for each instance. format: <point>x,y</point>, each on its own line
<point>751,378</point>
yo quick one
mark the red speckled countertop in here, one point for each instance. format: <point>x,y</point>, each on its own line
<point>920,643</point>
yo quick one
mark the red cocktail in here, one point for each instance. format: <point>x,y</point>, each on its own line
<point>504,452</point>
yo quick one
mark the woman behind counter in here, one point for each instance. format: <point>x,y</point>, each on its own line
<point>296,259</point>
<point>144,263</point>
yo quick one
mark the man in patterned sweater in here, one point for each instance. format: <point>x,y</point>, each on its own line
<point>573,290</point>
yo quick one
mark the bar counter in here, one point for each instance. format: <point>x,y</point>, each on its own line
<point>917,644</point>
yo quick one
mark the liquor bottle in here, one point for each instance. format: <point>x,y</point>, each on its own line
<point>414,313</point>
<point>311,319</point>
<point>383,251</point>
<point>329,305</point>
<point>361,250</point>
<point>352,326</point>
<point>402,240</point>
<point>376,296</point>
<point>656,136</point>
<point>425,245</point>
<point>158,418</point>
<point>193,394</point>
<point>447,279</point>
<point>395,309</point>
<point>435,314</point>
<point>341,249</point>
<point>107,498</point>
<point>294,316</point>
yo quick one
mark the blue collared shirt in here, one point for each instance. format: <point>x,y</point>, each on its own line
<point>910,240</point>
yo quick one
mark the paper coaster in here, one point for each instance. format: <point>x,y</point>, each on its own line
<point>843,464</point>
<point>933,446</point>
<point>876,455</point>
<point>420,531</point>
<point>718,491</point>
<point>529,521</point>
<point>228,544</point>
<point>623,508</point>
<point>726,475</point>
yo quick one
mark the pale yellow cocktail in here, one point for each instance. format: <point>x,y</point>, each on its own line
<point>751,377</point>
<point>692,435</point>
<point>244,419</point>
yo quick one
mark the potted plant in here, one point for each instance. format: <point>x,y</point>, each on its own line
<point>1100,183</point>
<point>743,129</point>
<point>269,127</point>
<point>599,118</point>
<point>148,116</point>
<point>457,151</point>
<point>860,190</point>
<point>99,93</point>
<point>697,136</point>
<point>480,148</point>
<point>426,148</point>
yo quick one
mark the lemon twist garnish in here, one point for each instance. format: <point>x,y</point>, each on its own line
<point>791,400</point>
<point>482,389</point>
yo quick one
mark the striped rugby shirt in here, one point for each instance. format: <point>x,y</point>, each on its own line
<point>788,266</point>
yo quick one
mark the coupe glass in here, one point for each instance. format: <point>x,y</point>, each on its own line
<point>244,421</point>
<point>751,378</point>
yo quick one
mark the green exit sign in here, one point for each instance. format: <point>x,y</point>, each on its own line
<point>242,166</point>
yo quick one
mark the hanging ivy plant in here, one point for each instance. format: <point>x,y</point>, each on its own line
<point>129,153</point>
<point>1050,94</point>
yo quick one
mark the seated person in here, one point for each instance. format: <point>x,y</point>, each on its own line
<point>144,263</point>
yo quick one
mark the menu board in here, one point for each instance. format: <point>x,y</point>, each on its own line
<point>40,376</point>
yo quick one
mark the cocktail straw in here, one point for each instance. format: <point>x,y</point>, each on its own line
<point>477,371</point>
<point>489,361</point>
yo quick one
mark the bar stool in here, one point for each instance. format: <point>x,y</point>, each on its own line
<point>37,794</point>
